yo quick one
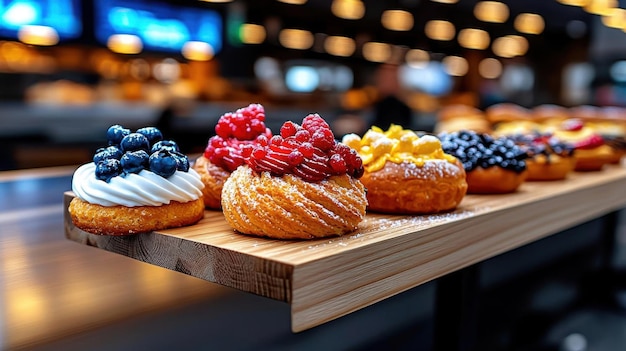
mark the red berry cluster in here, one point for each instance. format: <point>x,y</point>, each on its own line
<point>591,142</point>
<point>234,131</point>
<point>309,151</point>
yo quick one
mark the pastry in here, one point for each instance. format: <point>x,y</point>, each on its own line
<point>301,184</point>
<point>549,157</point>
<point>592,153</point>
<point>493,165</point>
<point>510,119</point>
<point>457,117</point>
<point>408,174</point>
<point>139,183</point>
<point>549,116</point>
<point>610,123</point>
<point>223,154</point>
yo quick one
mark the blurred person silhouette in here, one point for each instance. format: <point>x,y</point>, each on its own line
<point>390,108</point>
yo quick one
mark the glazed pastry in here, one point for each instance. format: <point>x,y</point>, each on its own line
<point>408,174</point>
<point>223,154</point>
<point>139,183</point>
<point>457,117</point>
<point>610,123</point>
<point>550,158</point>
<point>301,184</point>
<point>493,165</point>
<point>592,153</point>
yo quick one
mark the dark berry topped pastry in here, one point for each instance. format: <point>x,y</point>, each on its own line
<point>301,184</point>
<point>138,183</point>
<point>235,131</point>
<point>550,157</point>
<point>493,165</point>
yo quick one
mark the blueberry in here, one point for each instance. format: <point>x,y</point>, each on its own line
<point>152,133</point>
<point>134,142</point>
<point>163,163</point>
<point>116,133</point>
<point>104,153</point>
<point>182,162</point>
<point>135,161</point>
<point>107,169</point>
<point>165,145</point>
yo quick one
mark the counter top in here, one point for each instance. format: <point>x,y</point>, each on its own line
<point>326,279</point>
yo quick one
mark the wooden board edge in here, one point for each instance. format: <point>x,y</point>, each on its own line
<point>322,302</point>
<point>225,267</point>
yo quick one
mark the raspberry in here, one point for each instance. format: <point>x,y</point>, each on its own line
<point>237,133</point>
<point>572,125</point>
<point>590,143</point>
<point>337,163</point>
<point>288,129</point>
<point>308,151</point>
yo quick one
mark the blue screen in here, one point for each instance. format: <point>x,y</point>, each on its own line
<point>62,15</point>
<point>161,26</point>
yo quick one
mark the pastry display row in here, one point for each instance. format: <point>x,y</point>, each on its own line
<point>303,182</point>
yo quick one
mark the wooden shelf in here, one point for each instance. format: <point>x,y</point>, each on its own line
<point>326,279</point>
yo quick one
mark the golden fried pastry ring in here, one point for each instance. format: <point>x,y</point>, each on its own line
<point>557,168</point>
<point>494,180</point>
<point>122,220</point>
<point>288,207</point>
<point>406,188</point>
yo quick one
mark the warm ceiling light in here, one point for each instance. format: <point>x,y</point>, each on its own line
<point>296,39</point>
<point>615,19</point>
<point>339,46</point>
<point>252,33</point>
<point>348,9</point>
<point>417,58</point>
<point>574,2</point>
<point>490,68</point>
<point>376,52</point>
<point>472,38</point>
<point>198,51</point>
<point>440,30</point>
<point>529,23</point>
<point>600,7</point>
<point>38,35</point>
<point>455,65</point>
<point>398,20</point>
<point>125,43</point>
<point>446,1</point>
<point>294,2</point>
<point>491,11</point>
<point>510,46</point>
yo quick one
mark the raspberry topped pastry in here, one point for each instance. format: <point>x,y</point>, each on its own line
<point>301,184</point>
<point>592,153</point>
<point>408,174</point>
<point>223,154</point>
<point>139,183</point>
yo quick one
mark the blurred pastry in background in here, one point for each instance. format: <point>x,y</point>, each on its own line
<point>510,119</point>
<point>592,153</point>
<point>549,116</point>
<point>458,117</point>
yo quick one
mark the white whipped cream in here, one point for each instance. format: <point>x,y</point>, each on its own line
<point>141,189</point>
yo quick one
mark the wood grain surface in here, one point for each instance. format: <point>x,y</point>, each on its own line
<point>325,279</point>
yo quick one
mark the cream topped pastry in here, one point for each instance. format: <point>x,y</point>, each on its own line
<point>406,173</point>
<point>136,189</point>
<point>301,184</point>
<point>138,183</point>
